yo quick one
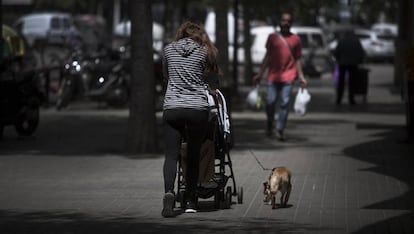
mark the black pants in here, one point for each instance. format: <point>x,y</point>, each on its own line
<point>193,125</point>
<point>352,76</point>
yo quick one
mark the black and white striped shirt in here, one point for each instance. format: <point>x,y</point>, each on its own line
<point>184,62</point>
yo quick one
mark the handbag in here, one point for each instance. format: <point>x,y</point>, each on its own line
<point>302,99</point>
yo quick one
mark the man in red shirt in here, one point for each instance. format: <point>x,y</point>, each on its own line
<point>282,59</point>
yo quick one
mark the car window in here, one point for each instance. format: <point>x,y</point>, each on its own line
<point>386,37</point>
<point>253,38</point>
<point>362,36</point>
<point>66,23</point>
<point>55,23</point>
<point>304,40</point>
<point>317,39</point>
<point>35,24</point>
<point>19,26</point>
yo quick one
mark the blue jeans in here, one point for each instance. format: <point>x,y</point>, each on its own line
<point>278,91</point>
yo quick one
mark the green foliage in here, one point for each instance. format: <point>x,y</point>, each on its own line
<point>79,6</point>
<point>305,11</point>
<point>373,8</point>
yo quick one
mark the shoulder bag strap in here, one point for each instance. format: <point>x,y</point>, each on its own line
<point>285,43</point>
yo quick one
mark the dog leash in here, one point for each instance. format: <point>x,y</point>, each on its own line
<point>257,160</point>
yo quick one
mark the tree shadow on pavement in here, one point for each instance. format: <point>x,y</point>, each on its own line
<point>324,103</point>
<point>392,158</point>
<point>74,135</point>
<point>106,135</point>
<point>251,134</point>
<point>66,222</point>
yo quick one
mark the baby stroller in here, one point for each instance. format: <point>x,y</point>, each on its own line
<point>215,162</point>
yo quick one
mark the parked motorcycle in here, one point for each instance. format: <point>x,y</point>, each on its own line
<point>20,100</point>
<point>76,77</point>
<point>103,78</point>
<point>315,63</point>
<point>111,83</point>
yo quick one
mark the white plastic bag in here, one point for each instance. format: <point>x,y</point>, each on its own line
<point>254,99</point>
<point>301,101</point>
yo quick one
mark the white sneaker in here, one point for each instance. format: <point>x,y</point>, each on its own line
<point>190,207</point>
<point>190,210</point>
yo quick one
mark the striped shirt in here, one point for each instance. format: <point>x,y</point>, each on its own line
<point>184,62</point>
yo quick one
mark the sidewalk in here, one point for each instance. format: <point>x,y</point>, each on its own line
<point>351,173</point>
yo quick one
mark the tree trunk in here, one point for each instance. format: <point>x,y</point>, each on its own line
<point>169,19</point>
<point>247,45</point>
<point>1,39</point>
<point>174,14</point>
<point>142,134</point>
<point>222,42</point>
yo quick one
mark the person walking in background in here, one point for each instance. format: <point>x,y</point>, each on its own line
<point>186,61</point>
<point>283,61</point>
<point>349,53</point>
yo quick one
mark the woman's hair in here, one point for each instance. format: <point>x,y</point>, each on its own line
<point>196,31</point>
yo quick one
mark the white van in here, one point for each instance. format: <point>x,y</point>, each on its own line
<point>53,27</point>
<point>259,37</point>
<point>385,29</point>
<point>123,29</point>
<point>316,57</point>
<point>312,38</point>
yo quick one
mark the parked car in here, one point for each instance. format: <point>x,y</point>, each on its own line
<point>123,29</point>
<point>315,49</point>
<point>312,38</point>
<point>385,29</point>
<point>259,38</point>
<point>54,28</point>
<point>377,47</point>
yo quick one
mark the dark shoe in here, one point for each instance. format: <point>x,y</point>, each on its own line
<point>280,135</point>
<point>270,133</point>
<point>190,207</point>
<point>168,205</point>
<point>270,130</point>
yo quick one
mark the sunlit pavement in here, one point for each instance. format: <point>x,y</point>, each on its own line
<point>352,172</point>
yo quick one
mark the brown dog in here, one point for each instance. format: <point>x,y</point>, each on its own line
<point>279,180</point>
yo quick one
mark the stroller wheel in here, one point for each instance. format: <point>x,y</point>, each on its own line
<point>228,189</point>
<point>240,195</point>
<point>217,199</point>
<point>227,202</point>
